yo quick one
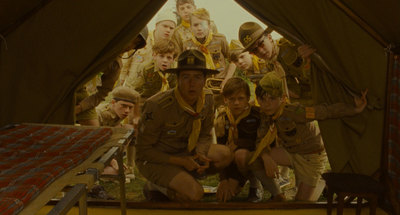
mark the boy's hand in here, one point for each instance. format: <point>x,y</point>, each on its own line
<point>227,189</point>
<point>270,166</point>
<point>361,102</point>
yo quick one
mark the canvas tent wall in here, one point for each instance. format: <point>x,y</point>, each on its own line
<point>52,46</point>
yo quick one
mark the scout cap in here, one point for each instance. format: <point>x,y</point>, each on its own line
<point>166,15</point>
<point>192,59</point>
<point>249,33</point>
<point>235,48</point>
<point>126,94</point>
<point>201,13</point>
<point>272,84</point>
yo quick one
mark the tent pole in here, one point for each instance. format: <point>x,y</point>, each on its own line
<point>357,19</point>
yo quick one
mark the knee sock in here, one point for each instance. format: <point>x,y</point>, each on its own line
<point>269,184</point>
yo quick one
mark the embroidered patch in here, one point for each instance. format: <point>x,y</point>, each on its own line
<point>247,39</point>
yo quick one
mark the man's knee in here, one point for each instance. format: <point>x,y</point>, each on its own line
<point>196,193</point>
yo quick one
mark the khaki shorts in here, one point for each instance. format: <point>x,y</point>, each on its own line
<point>160,174</point>
<point>308,167</point>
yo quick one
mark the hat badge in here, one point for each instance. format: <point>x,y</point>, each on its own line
<point>247,39</point>
<point>190,60</point>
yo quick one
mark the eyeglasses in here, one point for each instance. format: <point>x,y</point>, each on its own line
<point>257,44</point>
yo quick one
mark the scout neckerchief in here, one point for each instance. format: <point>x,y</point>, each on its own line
<point>233,131</point>
<point>164,81</point>
<point>279,69</point>
<point>194,135</point>
<point>204,49</point>
<point>256,66</point>
<point>270,136</point>
<point>185,24</point>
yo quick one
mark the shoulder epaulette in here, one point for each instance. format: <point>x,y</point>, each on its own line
<point>166,99</point>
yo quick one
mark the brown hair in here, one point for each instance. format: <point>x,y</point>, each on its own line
<point>180,2</point>
<point>200,13</point>
<point>165,46</point>
<point>234,85</point>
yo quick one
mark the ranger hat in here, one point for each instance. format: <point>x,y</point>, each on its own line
<point>272,84</point>
<point>249,33</point>
<point>235,48</point>
<point>126,94</point>
<point>192,59</point>
<point>164,15</point>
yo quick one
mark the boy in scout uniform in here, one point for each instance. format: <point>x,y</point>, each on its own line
<point>165,26</point>
<point>182,32</point>
<point>124,101</point>
<point>174,142</point>
<point>300,146</point>
<point>85,104</point>
<point>236,126</point>
<point>151,78</point>
<point>213,45</point>
<point>282,57</point>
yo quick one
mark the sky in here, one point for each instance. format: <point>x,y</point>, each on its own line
<point>227,15</point>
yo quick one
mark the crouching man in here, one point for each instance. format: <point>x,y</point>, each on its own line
<point>174,143</point>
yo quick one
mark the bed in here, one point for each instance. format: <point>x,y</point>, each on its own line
<point>38,161</point>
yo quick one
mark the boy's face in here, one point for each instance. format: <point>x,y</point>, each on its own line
<point>164,61</point>
<point>190,85</point>
<point>199,27</point>
<point>164,29</point>
<point>237,103</point>
<point>244,61</point>
<point>184,11</point>
<point>268,104</point>
<point>263,47</point>
<point>122,108</point>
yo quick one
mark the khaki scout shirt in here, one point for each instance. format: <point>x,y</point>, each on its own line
<point>132,64</point>
<point>108,79</point>
<point>218,49</point>
<point>147,81</point>
<point>164,128</point>
<point>297,71</point>
<point>297,128</point>
<point>181,33</point>
<point>107,116</point>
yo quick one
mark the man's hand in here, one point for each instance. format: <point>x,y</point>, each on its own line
<point>271,169</point>
<point>305,51</point>
<point>187,162</point>
<point>361,102</point>
<point>227,189</point>
<point>202,159</point>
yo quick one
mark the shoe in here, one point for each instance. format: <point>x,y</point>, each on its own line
<point>283,182</point>
<point>153,195</point>
<point>255,195</point>
<point>98,192</point>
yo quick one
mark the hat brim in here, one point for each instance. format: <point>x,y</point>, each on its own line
<point>207,71</point>
<point>258,35</point>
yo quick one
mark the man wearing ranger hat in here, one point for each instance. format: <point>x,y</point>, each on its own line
<point>300,144</point>
<point>281,56</point>
<point>174,138</point>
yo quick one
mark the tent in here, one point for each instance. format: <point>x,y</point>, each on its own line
<point>49,47</point>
